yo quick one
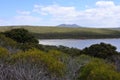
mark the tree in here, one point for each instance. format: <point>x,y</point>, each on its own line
<point>21,35</point>
<point>101,50</point>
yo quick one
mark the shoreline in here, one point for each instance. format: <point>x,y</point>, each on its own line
<point>75,38</point>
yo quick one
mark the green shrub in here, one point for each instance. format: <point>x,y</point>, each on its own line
<point>3,54</point>
<point>9,44</point>
<point>101,50</point>
<point>70,51</point>
<point>5,41</point>
<point>82,59</point>
<point>59,55</point>
<point>98,70</point>
<point>21,35</point>
<point>40,58</point>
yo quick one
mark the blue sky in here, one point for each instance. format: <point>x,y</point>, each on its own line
<point>88,13</point>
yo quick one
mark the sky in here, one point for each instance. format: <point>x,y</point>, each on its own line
<point>86,13</point>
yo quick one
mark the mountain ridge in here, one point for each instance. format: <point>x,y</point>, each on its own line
<point>68,25</point>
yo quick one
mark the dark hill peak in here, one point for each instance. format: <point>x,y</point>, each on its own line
<point>69,25</point>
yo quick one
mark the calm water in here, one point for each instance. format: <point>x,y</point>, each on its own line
<point>78,43</point>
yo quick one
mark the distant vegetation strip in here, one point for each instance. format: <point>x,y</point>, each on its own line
<point>46,32</point>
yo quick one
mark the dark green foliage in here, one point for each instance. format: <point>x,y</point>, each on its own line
<point>21,35</point>
<point>77,35</point>
<point>27,46</point>
<point>101,50</point>
<point>70,51</point>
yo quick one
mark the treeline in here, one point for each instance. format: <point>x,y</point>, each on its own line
<point>75,35</point>
<point>22,58</point>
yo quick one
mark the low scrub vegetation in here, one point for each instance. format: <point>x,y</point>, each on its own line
<point>23,60</point>
<point>98,70</point>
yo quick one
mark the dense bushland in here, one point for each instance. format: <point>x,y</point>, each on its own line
<point>24,60</point>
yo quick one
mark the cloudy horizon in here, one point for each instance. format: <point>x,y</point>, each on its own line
<point>94,13</point>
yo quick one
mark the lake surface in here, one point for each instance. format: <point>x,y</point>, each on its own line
<point>79,43</point>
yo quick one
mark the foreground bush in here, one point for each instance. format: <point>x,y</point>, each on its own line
<point>8,43</point>
<point>3,54</point>
<point>98,70</point>
<point>31,65</point>
<point>38,65</point>
<point>53,65</point>
<point>40,58</point>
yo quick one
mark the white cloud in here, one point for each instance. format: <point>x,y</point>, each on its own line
<point>23,20</point>
<point>2,22</point>
<point>26,19</point>
<point>105,14</point>
<point>57,12</point>
<point>105,4</point>
<point>24,12</point>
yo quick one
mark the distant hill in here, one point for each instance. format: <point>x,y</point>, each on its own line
<point>69,25</point>
<point>52,32</point>
<point>118,28</point>
<point>115,28</point>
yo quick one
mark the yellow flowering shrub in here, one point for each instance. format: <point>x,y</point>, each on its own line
<point>39,58</point>
<point>3,53</point>
<point>98,70</point>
